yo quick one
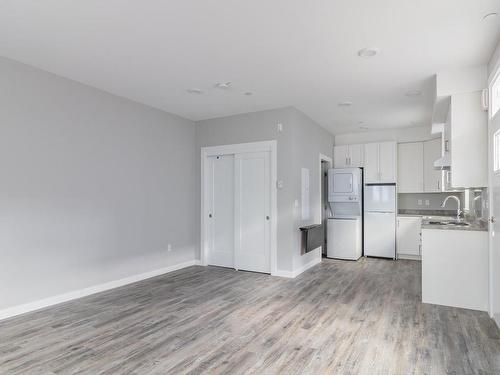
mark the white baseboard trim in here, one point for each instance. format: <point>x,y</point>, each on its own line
<point>281,273</point>
<point>306,266</point>
<point>50,301</point>
<point>496,319</point>
<point>409,257</point>
<point>293,274</point>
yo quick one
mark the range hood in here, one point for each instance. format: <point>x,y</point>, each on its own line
<point>443,162</point>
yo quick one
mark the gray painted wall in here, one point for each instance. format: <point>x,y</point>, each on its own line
<point>255,127</point>
<point>93,187</point>
<point>309,141</point>
<point>299,145</point>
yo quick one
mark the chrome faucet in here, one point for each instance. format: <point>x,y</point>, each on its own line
<point>459,212</point>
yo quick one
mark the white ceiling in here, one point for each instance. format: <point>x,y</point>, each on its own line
<point>287,52</point>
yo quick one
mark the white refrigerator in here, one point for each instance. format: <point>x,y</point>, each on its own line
<point>380,221</point>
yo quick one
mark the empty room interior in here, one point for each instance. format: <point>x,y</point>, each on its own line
<point>249,187</point>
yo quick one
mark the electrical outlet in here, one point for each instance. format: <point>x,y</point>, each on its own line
<point>169,247</point>
<point>427,203</point>
<point>419,202</point>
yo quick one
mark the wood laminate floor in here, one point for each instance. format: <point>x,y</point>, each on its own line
<point>339,317</point>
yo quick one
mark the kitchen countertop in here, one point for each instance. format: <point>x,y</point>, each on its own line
<point>440,213</point>
<point>479,225</point>
<point>443,215</point>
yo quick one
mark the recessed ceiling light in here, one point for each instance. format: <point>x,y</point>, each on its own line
<point>195,90</point>
<point>364,127</point>
<point>345,104</point>
<point>412,93</point>
<point>248,93</point>
<point>223,85</point>
<point>490,15</point>
<point>368,52</point>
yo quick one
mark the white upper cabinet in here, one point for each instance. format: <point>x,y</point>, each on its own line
<point>469,141</point>
<point>356,155</point>
<point>348,156</point>
<point>411,167</point>
<point>380,162</point>
<point>433,179</point>
<point>371,163</point>
<point>341,156</point>
<point>387,162</point>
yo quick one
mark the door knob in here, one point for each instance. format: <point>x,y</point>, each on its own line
<point>492,219</point>
<point>267,217</point>
<point>210,215</point>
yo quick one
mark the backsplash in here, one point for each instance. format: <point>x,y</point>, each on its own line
<point>473,201</point>
<point>428,201</point>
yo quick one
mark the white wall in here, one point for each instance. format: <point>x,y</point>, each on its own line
<point>411,134</point>
<point>299,145</point>
<point>92,186</point>
<point>494,62</point>
<point>309,141</point>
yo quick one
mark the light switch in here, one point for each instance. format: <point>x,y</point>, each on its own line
<point>280,127</point>
<point>279,184</point>
<point>419,202</point>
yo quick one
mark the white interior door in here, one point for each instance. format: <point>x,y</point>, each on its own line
<point>494,171</point>
<point>252,211</point>
<point>221,211</point>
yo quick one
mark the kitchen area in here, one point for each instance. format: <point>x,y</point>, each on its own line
<point>440,178</point>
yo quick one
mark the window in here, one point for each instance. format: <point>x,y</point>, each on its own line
<point>496,151</point>
<point>495,95</point>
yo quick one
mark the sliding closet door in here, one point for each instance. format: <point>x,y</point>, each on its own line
<point>221,211</point>
<point>252,211</point>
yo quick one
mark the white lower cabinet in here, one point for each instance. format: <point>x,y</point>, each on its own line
<point>455,268</point>
<point>408,236</point>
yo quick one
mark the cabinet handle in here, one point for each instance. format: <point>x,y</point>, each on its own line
<point>346,160</point>
<point>446,145</point>
<point>439,185</point>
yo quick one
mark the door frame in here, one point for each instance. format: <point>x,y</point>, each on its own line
<point>319,220</point>
<point>239,148</point>
<point>491,79</point>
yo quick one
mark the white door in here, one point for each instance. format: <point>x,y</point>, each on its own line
<point>432,177</point>
<point>380,234</point>
<point>411,167</point>
<point>371,162</point>
<point>387,162</point>
<point>252,211</point>
<point>342,182</point>
<point>494,171</point>
<point>408,235</point>
<point>340,156</point>
<point>380,198</point>
<point>221,211</point>
<point>356,155</point>
<point>344,238</point>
